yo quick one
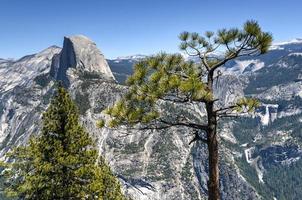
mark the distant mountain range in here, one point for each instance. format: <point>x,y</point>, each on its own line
<point>260,154</point>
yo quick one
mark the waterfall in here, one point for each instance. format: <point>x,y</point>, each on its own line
<point>265,117</point>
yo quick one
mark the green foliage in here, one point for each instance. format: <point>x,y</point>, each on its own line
<point>62,162</point>
<point>234,42</point>
<point>82,100</point>
<point>277,176</point>
<point>100,124</point>
<point>154,79</point>
<point>246,105</point>
<point>111,186</point>
<point>173,79</point>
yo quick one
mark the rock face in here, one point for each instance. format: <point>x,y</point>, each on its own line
<point>161,165</point>
<point>81,54</point>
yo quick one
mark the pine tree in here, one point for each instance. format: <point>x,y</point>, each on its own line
<point>62,162</point>
<point>169,80</point>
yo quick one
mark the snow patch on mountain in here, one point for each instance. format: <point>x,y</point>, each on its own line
<point>295,54</point>
<point>285,44</point>
<point>243,66</point>
<point>132,58</point>
<point>276,47</point>
<point>293,41</point>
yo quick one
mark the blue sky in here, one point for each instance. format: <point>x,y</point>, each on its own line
<point>126,27</point>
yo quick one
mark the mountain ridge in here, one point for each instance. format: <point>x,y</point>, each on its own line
<point>150,164</point>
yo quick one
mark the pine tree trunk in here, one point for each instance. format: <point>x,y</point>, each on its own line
<point>213,183</point>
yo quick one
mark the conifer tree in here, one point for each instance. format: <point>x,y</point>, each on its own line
<point>169,80</point>
<point>61,163</point>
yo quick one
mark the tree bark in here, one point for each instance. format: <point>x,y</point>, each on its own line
<point>213,182</point>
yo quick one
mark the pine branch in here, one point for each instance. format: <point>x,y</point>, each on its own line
<point>186,124</point>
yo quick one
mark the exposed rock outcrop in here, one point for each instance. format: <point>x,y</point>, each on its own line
<point>82,56</point>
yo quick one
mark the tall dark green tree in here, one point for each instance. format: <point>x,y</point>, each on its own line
<point>168,80</point>
<point>62,162</point>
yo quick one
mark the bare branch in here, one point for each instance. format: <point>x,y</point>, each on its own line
<point>226,108</point>
<point>235,54</point>
<point>197,137</point>
<point>231,115</point>
<point>186,124</point>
